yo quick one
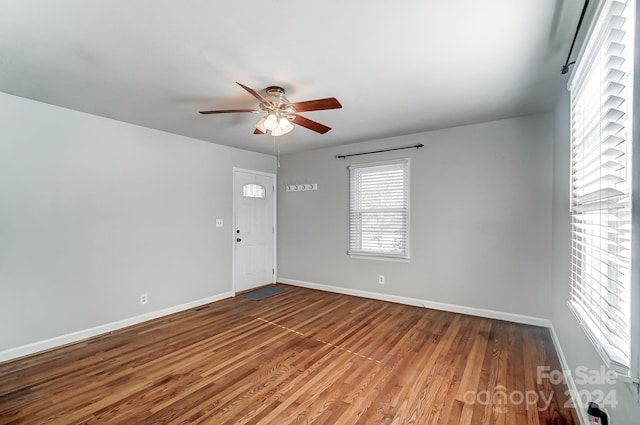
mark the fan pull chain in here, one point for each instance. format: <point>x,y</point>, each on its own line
<point>276,152</point>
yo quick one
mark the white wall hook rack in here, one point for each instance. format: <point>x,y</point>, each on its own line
<point>302,187</point>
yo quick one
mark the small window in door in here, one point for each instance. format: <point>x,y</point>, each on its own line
<point>252,190</point>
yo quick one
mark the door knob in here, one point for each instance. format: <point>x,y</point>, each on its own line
<point>238,240</point>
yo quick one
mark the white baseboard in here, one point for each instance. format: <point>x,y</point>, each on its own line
<point>36,347</point>
<point>453,308</point>
<point>568,377</point>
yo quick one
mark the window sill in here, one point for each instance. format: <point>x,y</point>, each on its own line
<point>623,374</point>
<point>379,258</point>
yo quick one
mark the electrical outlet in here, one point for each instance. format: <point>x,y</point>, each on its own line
<point>218,222</point>
<point>381,279</point>
<point>143,299</point>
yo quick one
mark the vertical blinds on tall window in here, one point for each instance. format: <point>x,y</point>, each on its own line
<point>601,116</point>
<point>379,209</point>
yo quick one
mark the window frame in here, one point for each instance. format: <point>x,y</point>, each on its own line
<point>587,63</point>
<point>405,257</point>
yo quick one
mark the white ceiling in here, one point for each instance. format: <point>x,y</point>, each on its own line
<point>397,67</point>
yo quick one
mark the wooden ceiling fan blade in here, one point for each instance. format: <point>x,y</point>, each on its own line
<point>257,95</point>
<point>228,111</point>
<point>256,131</point>
<point>317,104</point>
<point>310,124</point>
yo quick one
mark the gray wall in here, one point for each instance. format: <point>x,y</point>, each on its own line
<point>480,217</point>
<point>94,212</point>
<point>578,351</point>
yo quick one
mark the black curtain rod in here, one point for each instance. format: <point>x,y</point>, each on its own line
<point>383,150</point>
<point>565,67</point>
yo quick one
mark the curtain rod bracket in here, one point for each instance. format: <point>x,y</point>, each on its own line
<point>565,67</point>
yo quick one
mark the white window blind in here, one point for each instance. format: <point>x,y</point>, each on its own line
<point>379,209</point>
<point>601,182</point>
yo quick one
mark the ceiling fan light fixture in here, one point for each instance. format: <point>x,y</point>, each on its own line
<point>278,125</point>
<point>271,122</point>
<point>280,131</point>
<point>285,124</point>
<point>260,125</point>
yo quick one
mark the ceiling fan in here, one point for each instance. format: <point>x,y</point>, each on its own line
<point>279,113</point>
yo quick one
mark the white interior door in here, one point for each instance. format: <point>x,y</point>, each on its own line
<point>254,231</point>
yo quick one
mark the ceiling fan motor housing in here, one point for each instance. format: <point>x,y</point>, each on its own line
<point>276,95</point>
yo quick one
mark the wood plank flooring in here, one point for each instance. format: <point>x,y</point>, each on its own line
<point>300,357</point>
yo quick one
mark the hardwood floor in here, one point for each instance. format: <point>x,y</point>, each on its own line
<point>303,357</point>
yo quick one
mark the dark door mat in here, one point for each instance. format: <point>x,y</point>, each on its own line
<point>262,293</point>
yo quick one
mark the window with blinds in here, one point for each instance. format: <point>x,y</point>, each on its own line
<point>379,210</point>
<point>601,182</point>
